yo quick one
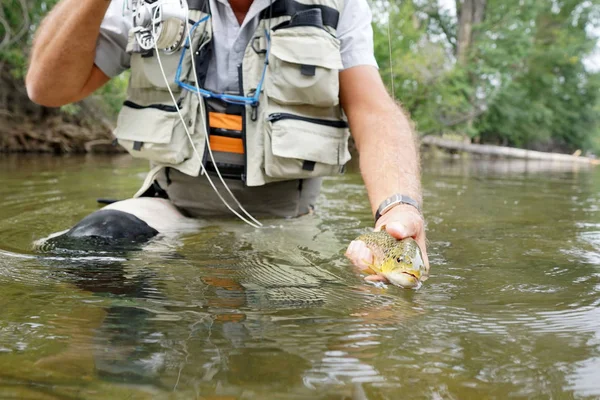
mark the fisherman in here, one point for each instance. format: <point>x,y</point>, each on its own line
<point>282,85</point>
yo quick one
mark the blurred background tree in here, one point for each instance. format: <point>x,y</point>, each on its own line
<point>510,72</point>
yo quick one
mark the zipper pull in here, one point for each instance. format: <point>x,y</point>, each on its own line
<point>274,117</point>
<point>254,114</point>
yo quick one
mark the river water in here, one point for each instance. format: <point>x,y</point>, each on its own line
<point>230,312</point>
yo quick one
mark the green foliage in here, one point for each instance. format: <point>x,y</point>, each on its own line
<point>70,109</point>
<point>547,96</point>
<point>14,55</point>
<point>112,95</point>
<point>428,87</point>
<point>18,19</point>
<point>524,82</point>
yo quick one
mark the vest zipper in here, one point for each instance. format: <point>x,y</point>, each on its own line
<point>327,122</point>
<point>161,107</point>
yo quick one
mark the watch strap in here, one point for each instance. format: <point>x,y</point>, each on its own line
<point>394,200</point>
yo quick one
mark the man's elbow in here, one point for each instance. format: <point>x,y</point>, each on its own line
<point>40,92</point>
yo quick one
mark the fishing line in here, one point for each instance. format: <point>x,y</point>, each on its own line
<point>390,49</point>
<point>206,129</point>
<point>154,35</point>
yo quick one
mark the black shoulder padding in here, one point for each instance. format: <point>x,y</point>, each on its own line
<point>199,5</point>
<point>113,225</point>
<point>281,8</point>
<point>310,17</point>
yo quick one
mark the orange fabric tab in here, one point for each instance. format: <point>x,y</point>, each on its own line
<point>226,144</point>
<point>225,121</point>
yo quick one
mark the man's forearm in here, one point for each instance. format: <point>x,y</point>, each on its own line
<point>389,157</point>
<point>63,51</point>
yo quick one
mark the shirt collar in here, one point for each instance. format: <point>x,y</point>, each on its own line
<point>256,8</point>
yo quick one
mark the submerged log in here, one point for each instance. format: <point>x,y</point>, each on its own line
<point>501,151</point>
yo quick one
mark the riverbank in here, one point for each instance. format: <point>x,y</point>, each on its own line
<point>57,134</point>
<point>61,134</point>
<point>26,127</point>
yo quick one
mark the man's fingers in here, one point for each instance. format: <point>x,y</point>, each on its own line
<point>375,278</point>
<point>421,242</point>
<point>350,249</point>
<point>402,223</point>
<point>408,227</point>
<point>399,231</point>
<point>359,254</point>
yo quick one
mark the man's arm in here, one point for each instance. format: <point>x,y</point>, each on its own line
<point>62,68</point>
<point>389,160</point>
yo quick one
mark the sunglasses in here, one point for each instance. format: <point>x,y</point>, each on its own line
<point>228,98</point>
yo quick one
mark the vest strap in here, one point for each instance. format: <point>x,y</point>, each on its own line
<point>226,144</point>
<point>308,70</point>
<point>225,121</point>
<point>149,180</point>
<point>199,5</point>
<point>308,165</point>
<point>281,8</point>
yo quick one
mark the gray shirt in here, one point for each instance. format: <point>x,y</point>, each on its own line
<point>230,39</point>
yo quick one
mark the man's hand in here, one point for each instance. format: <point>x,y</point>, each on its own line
<point>401,222</point>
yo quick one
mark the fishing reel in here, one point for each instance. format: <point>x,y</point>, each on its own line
<point>159,24</point>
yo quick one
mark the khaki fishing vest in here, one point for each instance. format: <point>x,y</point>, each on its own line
<point>298,130</point>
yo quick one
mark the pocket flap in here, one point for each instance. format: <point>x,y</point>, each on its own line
<point>146,124</point>
<point>307,46</point>
<point>303,141</point>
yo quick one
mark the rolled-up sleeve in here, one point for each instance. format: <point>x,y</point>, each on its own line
<point>111,55</point>
<point>356,34</point>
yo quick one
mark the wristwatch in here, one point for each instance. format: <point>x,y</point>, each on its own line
<point>392,201</point>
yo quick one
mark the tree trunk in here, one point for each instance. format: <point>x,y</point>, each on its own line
<point>470,13</point>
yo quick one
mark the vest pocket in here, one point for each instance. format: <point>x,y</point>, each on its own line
<point>156,132</point>
<point>299,147</point>
<point>303,67</point>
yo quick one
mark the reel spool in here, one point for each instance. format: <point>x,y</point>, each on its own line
<point>163,20</point>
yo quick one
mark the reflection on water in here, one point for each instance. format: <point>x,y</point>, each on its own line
<point>511,308</point>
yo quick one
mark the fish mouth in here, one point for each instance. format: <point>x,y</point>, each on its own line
<point>409,274</point>
<point>403,279</point>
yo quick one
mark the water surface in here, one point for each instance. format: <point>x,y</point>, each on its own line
<point>511,309</point>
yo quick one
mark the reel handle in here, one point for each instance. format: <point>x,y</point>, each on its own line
<point>159,24</point>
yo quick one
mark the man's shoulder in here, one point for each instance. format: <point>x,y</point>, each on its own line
<point>118,13</point>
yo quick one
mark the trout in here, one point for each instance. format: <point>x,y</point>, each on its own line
<point>399,261</point>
